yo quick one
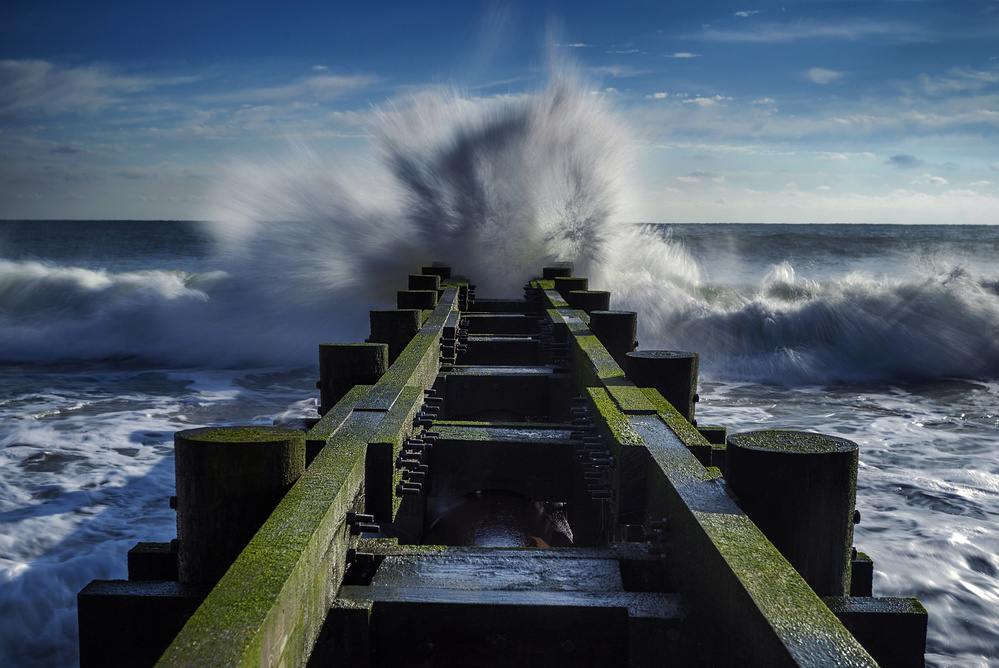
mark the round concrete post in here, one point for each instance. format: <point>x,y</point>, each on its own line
<point>800,489</point>
<point>344,365</point>
<point>421,299</point>
<point>566,284</point>
<point>672,372</point>
<point>589,300</point>
<point>551,273</point>
<point>229,480</point>
<point>617,331</point>
<point>424,282</point>
<point>395,327</point>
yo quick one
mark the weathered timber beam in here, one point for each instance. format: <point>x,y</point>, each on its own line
<point>759,609</point>
<point>269,607</point>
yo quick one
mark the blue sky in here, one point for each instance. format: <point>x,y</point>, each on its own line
<point>806,111</point>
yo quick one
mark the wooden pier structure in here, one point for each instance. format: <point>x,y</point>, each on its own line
<point>504,482</point>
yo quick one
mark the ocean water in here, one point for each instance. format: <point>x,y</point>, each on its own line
<point>116,334</point>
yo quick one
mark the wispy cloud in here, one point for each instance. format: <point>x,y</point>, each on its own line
<point>747,14</point>
<point>657,96</point>
<point>577,45</point>
<point>314,89</point>
<point>616,71</point>
<point>682,54</point>
<point>808,29</point>
<point>956,80</point>
<point>707,101</point>
<point>30,86</point>
<point>822,76</point>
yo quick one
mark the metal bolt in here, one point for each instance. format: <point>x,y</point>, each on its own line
<point>359,528</point>
<point>354,517</point>
<point>499,642</point>
<point>568,645</point>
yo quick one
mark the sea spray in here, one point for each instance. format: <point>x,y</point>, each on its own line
<point>496,188</point>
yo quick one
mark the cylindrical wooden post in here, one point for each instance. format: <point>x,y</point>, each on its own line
<point>800,489</point>
<point>421,299</point>
<point>424,282</point>
<point>229,480</point>
<point>344,365</point>
<point>551,273</point>
<point>395,327</point>
<point>589,300</point>
<point>672,372</point>
<point>443,272</point>
<point>566,284</point>
<point>617,331</point>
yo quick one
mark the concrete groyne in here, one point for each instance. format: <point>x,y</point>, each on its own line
<point>504,482</point>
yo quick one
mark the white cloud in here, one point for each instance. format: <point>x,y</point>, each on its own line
<point>811,29</point>
<point>319,67</point>
<point>821,75</point>
<point>764,100</point>
<point>616,71</point>
<point>578,45</point>
<point>625,51</point>
<point>682,54</point>
<point>707,101</point>
<point>746,14</point>
<point>314,89</point>
<point>957,80</point>
<point>980,183</point>
<point>37,85</point>
<point>930,179</point>
<point>657,96</point>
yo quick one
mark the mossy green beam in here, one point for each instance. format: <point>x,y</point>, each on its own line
<point>381,475</point>
<point>592,364</point>
<point>758,608</point>
<point>267,610</point>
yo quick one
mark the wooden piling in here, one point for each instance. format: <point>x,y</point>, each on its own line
<point>420,299</point>
<point>424,282</point>
<point>589,300</point>
<point>799,488</point>
<point>229,480</point>
<point>617,331</point>
<point>344,365</point>
<point>566,284</point>
<point>672,372</point>
<point>394,327</point>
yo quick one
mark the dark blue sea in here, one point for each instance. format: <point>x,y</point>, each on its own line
<point>114,335</point>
